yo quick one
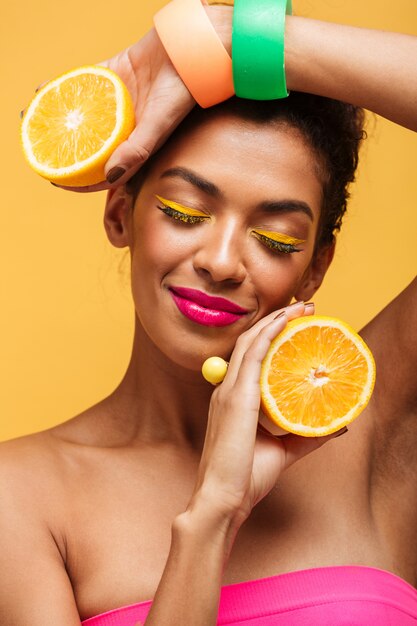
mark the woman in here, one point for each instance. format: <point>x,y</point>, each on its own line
<point>168,490</point>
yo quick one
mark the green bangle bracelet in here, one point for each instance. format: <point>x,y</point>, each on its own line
<point>258,48</point>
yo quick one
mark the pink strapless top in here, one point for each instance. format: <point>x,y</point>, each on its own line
<point>326,596</point>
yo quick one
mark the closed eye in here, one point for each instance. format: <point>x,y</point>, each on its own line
<point>180,213</point>
<point>278,242</point>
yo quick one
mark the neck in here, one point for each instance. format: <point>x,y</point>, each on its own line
<point>159,401</point>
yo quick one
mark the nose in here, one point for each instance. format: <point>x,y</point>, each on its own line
<point>219,255</point>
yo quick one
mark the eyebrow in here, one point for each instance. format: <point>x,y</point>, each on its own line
<point>286,206</point>
<point>268,206</point>
<point>191,177</point>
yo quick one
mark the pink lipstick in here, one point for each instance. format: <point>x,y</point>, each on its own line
<point>204,309</point>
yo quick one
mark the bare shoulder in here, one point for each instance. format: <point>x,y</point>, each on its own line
<point>25,457</point>
<point>30,474</point>
<point>43,469</point>
<point>34,585</point>
<point>35,453</point>
<point>44,465</point>
<point>52,468</point>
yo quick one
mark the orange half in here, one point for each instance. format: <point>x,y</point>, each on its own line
<point>317,376</point>
<point>74,123</point>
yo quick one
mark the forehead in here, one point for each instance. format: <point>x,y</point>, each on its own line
<point>245,159</point>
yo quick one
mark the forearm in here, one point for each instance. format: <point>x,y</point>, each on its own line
<point>369,68</point>
<point>373,69</point>
<point>189,590</point>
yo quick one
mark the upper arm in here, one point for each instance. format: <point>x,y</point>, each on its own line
<point>392,337</point>
<point>34,587</point>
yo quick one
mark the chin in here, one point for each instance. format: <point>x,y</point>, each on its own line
<point>194,358</point>
<point>184,343</point>
<point>190,352</point>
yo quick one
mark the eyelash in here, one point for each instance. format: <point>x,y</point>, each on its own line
<point>182,217</point>
<point>275,246</point>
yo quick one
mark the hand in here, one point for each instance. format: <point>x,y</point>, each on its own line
<point>160,98</point>
<point>240,464</point>
<point>161,101</point>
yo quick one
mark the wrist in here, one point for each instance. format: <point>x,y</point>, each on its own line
<point>221,16</point>
<point>205,524</point>
<point>294,62</point>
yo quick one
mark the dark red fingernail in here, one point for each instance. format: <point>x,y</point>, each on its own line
<point>22,112</point>
<point>342,431</point>
<point>114,174</point>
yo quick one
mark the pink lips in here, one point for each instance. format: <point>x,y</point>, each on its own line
<point>204,309</point>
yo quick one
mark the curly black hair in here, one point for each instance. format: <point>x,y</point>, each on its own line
<point>333,129</point>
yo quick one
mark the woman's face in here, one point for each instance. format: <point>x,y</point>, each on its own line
<point>229,210</point>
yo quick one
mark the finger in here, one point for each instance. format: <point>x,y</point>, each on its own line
<point>297,309</point>
<point>309,308</point>
<point>246,386</point>
<point>152,130</point>
<point>244,397</point>
<point>246,390</point>
<point>250,366</point>
<point>245,340</point>
<point>216,376</point>
<point>297,447</point>
<point>127,159</point>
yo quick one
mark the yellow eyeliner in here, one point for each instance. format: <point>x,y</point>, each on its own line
<point>279,237</point>
<point>180,208</point>
<point>277,241</point>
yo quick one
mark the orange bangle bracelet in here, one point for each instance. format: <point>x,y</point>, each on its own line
<point>196,51</point>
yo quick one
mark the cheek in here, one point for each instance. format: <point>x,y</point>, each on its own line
<point>276,282</point>
<point>158,250</point>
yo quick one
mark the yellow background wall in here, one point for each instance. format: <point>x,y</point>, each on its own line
<point>65,316</point>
